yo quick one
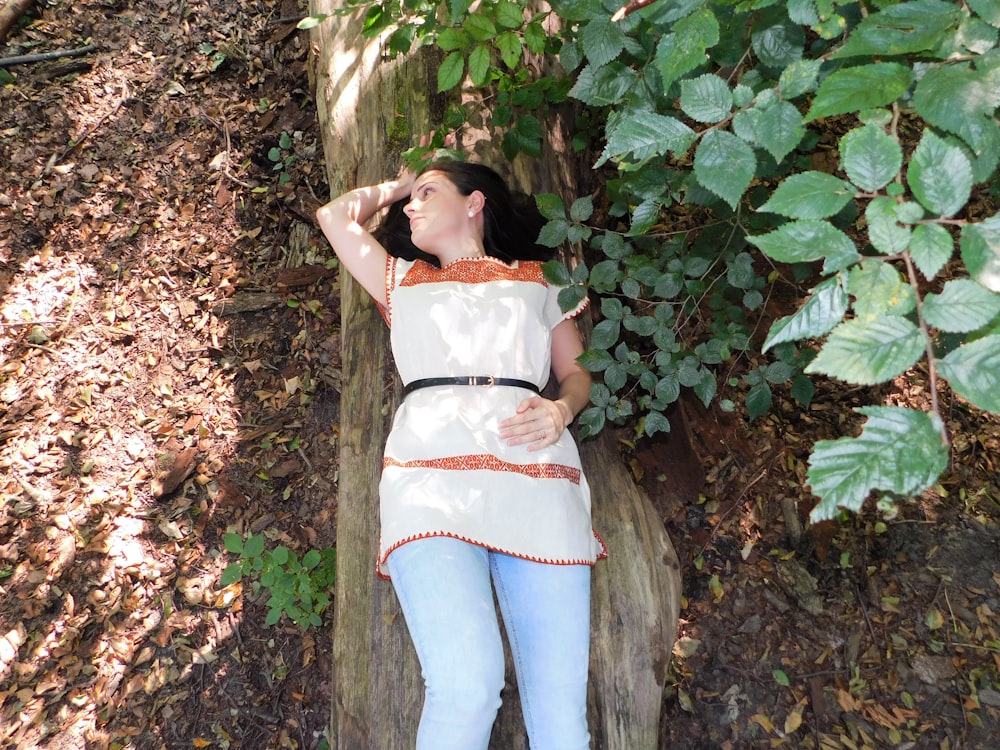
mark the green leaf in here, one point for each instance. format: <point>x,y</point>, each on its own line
<point>858,88</point>
<point>554,233</point>
<point>824,309</point>
<point>232,573</point>
<point>906,28</point>
<point>310,21</point>
<point>780,677</point>
<point>808,240</point>
<point>550,205</point>
<point>779,129</point>
<point>988,10</point>
<point>479,65</point>
<point>450,72</point>
<point>452,38</point>
<point>602,40</point>
<point>940,175</point>
<point>758,400</point>
<point>606,334</point>
<point>899,450</point>
<point>645,135</point>
<point>870,157</point>
<point>233,542</point>
<point>684,50</point>
<point>962,306</point>
<point>879,289</point>
<point>509,46</point>
<point>799,78</point>
<point>865,352</point>
<point>535,38</point>
<point>601,87</point>
<point>809,195</point>
<point>655,422</point>
<point>509,15</point>
<point>980,247</point>
<point>931,246</point>
<point>706,98</point>
<point>886,234</point>
<point>582,208</point>
<point>778,46</point>
<point>724,165</point>
<point>556,273</point>
<point>479,27</point>
<point>973,369</point>
<point>254,546</point>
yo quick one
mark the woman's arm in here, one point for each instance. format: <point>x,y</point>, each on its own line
<point>342,221</point>
<point>539,422</point>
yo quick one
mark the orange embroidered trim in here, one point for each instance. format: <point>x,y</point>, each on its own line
<point>474,271</point>
<point>602,555</point>
<point>485,461</point>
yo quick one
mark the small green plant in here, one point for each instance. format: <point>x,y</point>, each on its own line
<point>282,157</point>
<point>297,588</point>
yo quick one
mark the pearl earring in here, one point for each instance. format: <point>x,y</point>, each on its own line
<point>471,214</point>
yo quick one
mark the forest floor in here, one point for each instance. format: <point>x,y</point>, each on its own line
<point>169,372</point>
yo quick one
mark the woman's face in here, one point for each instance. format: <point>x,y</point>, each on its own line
<point>438,213</point>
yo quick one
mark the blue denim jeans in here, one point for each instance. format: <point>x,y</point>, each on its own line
<point>445,588</point>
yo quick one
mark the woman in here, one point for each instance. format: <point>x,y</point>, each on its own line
<point>481,484</point>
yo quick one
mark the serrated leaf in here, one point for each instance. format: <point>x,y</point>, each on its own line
<point>939,175</point>
<point>644,135</point>
<point>479,65</point>
<point>602,40</point>
<point>724,165</point>
<point>980,247</point>
<point>556,273</point>
<point>684,50</point>
<point>479,27</point>
<point>550,205</point>
<point>931,246</point>
<point>606,334</point>
<point>824,309</point>
<point>808,240</point>
<point>886,234</point>
<point>758,400</point>
<point>899,450</point>
<point>655,422</point>
<point>871,157</point>
<point>799,78</point>
<point>510,48</point>
<point>962,306</point>
<point>554,233</point>
<point>706,98</point>
<point>988,10</point>
<point>582,208</point>
<point>778,46</point>
<point>973,370</point>
<point>451,70</point>
<point>601,87</point>
<point>809,195</point>
<point>509,15</point>
<point>879,289</point>
<point>906,28</point>
<point>451,39</point>
<point>254,546</point>
<point>865,352</point>
<point>779,129</point>
<point>858,88</point>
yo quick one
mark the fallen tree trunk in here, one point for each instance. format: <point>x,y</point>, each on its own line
<point>370,110</point>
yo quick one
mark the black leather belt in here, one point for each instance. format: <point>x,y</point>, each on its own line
<point>480,380</point>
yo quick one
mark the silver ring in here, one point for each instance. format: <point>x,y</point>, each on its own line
<point>541,434</point>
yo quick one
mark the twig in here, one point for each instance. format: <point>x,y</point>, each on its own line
<point>43,56</point>
<point>629,8</point>
<point>58,158</point>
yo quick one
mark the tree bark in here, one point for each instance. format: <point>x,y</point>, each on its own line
<point>9,14</point>
<point>377,690</point>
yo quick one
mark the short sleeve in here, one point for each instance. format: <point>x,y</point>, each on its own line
<point>395,269</point>
<point>554,314</point>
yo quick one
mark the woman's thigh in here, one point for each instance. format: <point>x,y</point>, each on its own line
<point>546,611</point>
<point>444,588</point>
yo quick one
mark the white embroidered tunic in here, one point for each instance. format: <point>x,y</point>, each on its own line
<point>445,470</point>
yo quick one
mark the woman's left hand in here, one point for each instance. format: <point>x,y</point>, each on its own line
<point>538,423</point>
